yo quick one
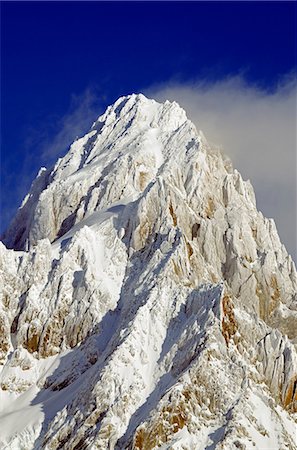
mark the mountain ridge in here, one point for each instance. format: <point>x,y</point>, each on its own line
<point>143,278</point>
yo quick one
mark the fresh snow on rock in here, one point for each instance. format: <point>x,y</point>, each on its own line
<point>145,302</point>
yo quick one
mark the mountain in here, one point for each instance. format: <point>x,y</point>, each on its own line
<point>145,301</point>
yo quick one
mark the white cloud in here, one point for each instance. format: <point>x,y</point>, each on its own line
<point>257,129</point>
<point>45,142</point>
<point>83,110</point>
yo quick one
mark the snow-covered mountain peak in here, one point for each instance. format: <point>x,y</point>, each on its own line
<point>139,108</point>
<point>134,120</point>
<point>123,152</point>
<point>153,306</point>
<point>134,127</point>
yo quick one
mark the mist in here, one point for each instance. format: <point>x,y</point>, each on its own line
<point>257,130</point>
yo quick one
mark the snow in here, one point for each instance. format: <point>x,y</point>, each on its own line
<point>264,432</point>
<point>20,417</point>
<point>141,295</point>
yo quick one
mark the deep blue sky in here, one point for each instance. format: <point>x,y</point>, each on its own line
<point>53,51</point>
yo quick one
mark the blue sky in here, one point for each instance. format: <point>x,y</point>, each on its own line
<point>63,63</point>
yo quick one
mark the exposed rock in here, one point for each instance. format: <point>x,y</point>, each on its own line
<point>145,302</point>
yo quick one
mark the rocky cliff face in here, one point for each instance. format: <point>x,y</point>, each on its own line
<point>145,302</point>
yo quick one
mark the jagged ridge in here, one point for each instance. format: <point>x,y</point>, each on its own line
<point>154,305</point>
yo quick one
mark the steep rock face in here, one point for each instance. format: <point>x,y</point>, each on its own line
<point>147,303</point>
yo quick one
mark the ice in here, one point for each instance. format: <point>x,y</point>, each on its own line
<point>144,301</point>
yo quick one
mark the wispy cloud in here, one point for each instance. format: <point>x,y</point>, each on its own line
<point>83,110</point>
<point>257,129</point>
<point>44,143</point>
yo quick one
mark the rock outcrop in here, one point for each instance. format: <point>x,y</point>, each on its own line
<point>145,301</point>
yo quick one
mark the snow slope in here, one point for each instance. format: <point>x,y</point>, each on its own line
<point>145,302</point>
